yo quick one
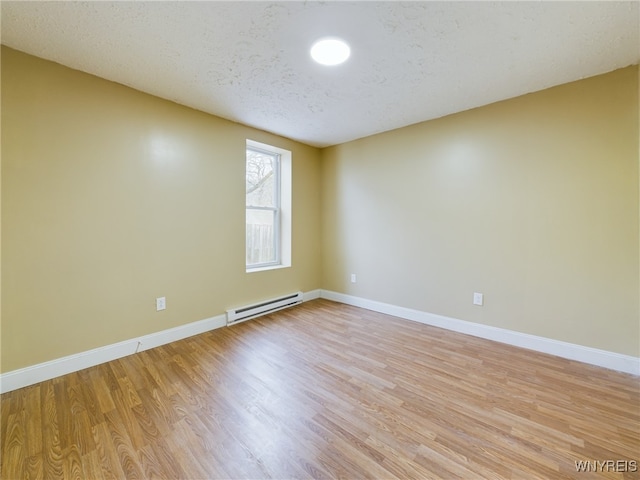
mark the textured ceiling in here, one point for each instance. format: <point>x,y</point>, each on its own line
<point>249,61</point>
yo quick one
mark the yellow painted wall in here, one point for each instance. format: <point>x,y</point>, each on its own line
<point>111,198</point>
<point>532,201</point>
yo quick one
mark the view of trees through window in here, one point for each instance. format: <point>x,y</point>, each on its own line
<point>262,207</point>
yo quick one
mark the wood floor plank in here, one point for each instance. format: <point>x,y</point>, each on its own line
<point>33,428</point>
<point>14,447</point>
<point>72,464</point>
<point>122,443</point>
<point>102,391</point>
<point>154,415</point>
<point>91,466</point>
<point>324,391</point>
<point>107,456</point>
<point>51,448</point>
<point>151,465</point>
<point>127,417</point>
<point>34,468</point>
<point>89,398</point>
<point>167,461</point>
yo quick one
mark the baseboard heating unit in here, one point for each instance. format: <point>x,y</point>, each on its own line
<point>252,311</point>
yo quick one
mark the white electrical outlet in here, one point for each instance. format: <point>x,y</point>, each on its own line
<point>161,303</point>
<point>353,278</point>
<point>478,299</point>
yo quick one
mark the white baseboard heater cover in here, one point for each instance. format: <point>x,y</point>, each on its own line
<point>248,312</point>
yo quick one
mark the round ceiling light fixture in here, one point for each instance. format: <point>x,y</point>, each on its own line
<point>330,51</point>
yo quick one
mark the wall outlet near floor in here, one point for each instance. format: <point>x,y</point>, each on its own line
<point>353,278</point>
<point>161,303</point>
<point>478,299</point>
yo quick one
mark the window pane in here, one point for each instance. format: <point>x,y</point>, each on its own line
<point>261,236</point>
<point>262,182</point>
<point>268,192</point>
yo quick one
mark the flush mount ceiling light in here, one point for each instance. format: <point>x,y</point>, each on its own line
<point>330,51</point>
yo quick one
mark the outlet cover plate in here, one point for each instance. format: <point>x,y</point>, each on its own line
<point>161,303</point>
<point>478,299</point>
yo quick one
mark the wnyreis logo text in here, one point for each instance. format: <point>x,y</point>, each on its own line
<point>619,466</point>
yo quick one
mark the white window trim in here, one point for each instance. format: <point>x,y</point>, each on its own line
<point>283,236</point>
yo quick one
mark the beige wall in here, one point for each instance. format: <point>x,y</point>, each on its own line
<point>111,198</point>
<point>532,201</point>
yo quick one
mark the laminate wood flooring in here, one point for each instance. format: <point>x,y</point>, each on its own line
<point>325,390</point>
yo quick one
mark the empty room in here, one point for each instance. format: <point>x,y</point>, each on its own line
<point>252,240</point>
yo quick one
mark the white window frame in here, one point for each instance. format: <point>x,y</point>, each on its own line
<point>282,211</point>
<point>275,209</point>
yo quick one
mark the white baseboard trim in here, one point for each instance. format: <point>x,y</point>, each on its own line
<point>312,295</point>
<point>72,363</point>
<point>61,366</point>
<point>571,351</point>
<point>45,371</point>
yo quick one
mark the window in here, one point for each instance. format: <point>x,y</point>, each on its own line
<point>268,207</point>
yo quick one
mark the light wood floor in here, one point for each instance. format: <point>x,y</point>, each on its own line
<point>325,390</point>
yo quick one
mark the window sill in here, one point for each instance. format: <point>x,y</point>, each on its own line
<point>268,267</point>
